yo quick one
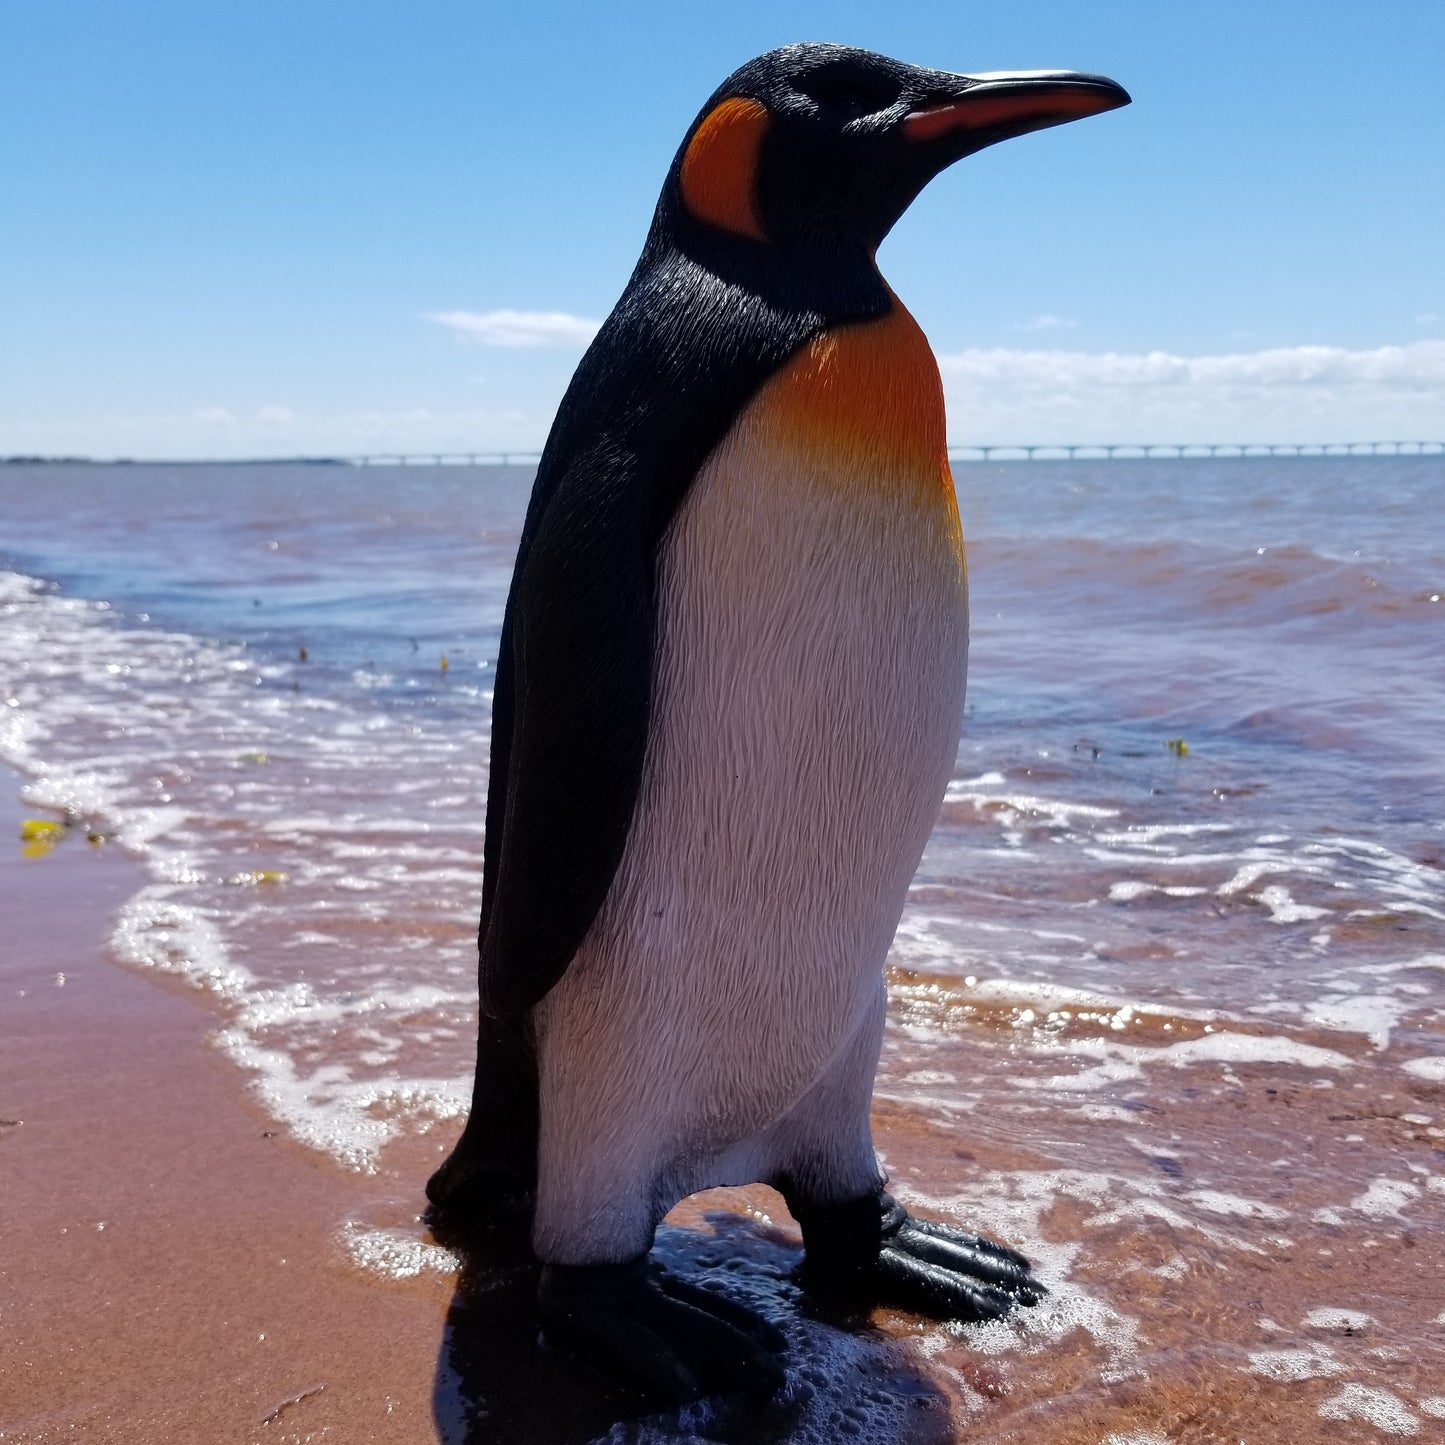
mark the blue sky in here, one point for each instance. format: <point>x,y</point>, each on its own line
<point>229,230</point>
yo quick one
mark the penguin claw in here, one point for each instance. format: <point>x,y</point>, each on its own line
<point>915,1284</point>
<point>656,1333</point>
<point>914,1264</point>
<point>949,1272</point>
<point>955,1252</point>
<point>926,1234</point>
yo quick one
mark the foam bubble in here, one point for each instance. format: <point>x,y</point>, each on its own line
<point>394,1255</point>
<point>1326,1317</point>
<point>1386,1198</point>
<point>156,930</point>
<point>1374,1405</point>
<point>77,794</point>
<point>1140,835</point>
<point>1252,1049</point>
<point>1373,1015</point>
<point>1050,997</point>
<point>1314,1362</point>
<point>1215,1202</point>
<point>961,788</point>
<point>1121,1062</point>
<point>1283,908</point>
<point>1430,1067</point>
<point>1129,890</point>
<point>325,1108</point>
<point>1018,813</point>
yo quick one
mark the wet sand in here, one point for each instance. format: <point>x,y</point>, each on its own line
<point>176,1270</point>
<point>169,1271</point>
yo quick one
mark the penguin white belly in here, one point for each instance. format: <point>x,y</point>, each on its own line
<point>812,648</point>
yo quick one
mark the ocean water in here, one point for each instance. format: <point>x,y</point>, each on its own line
<point>1169,993</point>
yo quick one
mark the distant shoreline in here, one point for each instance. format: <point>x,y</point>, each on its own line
<point>957,452</point>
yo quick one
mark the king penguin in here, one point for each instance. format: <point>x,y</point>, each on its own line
<point>727,702</point>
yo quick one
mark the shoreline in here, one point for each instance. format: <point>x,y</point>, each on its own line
<point>171,1271</point>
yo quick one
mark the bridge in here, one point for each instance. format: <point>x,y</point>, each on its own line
<point>1003,451</point>
<point>1178,450</point>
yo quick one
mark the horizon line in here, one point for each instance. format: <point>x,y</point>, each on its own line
<point>979,451</point>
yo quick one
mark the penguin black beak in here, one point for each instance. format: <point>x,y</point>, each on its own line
<point>980,110</point>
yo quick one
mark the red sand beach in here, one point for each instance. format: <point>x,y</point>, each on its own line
<point>168,1272</point>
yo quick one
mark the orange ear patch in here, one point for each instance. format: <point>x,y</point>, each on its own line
<point>720,167</point>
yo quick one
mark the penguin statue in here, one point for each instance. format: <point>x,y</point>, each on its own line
<point>728,699</point>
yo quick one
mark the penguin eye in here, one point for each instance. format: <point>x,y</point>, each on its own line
<point>847,100</point>
<point>848,95</point>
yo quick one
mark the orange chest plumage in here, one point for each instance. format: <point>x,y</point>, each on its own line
<point>862,405</point>
<point>868,393</point>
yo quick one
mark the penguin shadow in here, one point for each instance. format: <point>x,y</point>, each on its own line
<point>496,1384</point>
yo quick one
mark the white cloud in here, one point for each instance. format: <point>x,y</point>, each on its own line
<point>273,431</point>
<point>1297,393</point>
<point>518,328</point>
<point>995,396</point>
<point>1047,322</point>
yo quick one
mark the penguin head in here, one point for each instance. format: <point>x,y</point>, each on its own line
<point>822,147</point>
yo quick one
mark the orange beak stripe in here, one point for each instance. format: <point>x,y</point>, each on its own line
<point>989,106</point>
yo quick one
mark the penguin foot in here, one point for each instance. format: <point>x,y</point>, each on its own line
<point>874,1251</point>
<point>656,1333</point>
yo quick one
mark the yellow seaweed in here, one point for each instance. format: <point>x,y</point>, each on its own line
<point>266,876</point>
<point>38,836</point>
